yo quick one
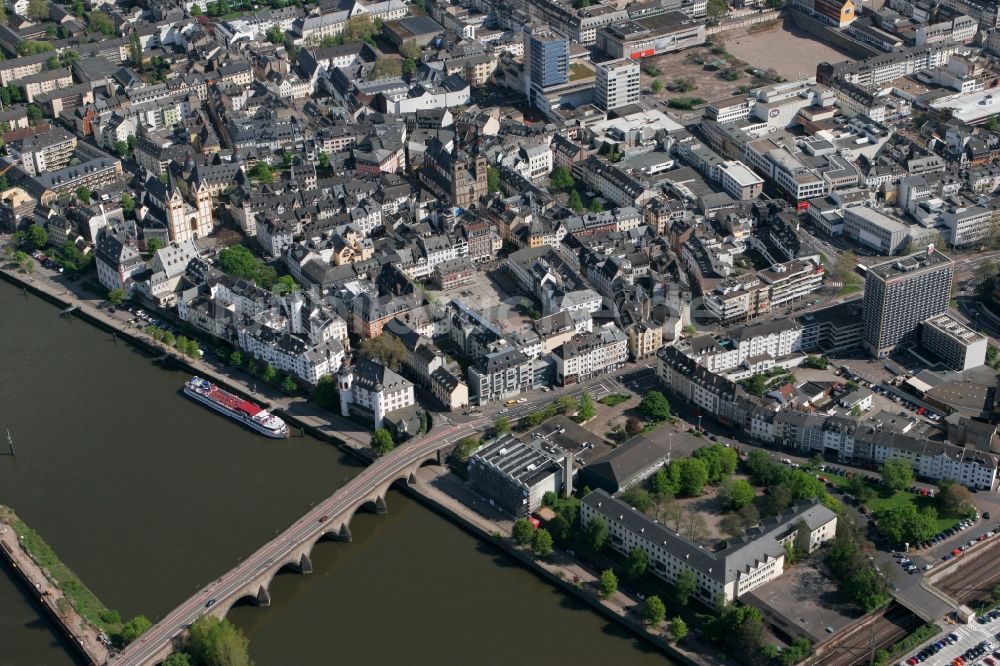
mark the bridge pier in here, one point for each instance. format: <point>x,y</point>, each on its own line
<point>411,479</point>
<point>305,564</point>
<point>345,533</point>
<point>380,506</point>
<point>263,597</point>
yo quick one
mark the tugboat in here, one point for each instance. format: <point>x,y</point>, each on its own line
<point>236,408</point>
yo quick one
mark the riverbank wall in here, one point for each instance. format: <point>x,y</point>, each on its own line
<point>83,636</point>
<point>571,579</point>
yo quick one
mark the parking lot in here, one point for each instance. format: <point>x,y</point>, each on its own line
<point>972,644</point>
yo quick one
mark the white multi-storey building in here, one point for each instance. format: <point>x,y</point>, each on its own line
<point>726,574</point>
<point>372,389</point>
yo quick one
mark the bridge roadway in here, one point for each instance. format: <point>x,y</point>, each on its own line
<point>156,643</point>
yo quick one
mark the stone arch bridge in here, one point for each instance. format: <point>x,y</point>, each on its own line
<point>330,519</point>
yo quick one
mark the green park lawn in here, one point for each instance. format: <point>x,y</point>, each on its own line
<point>882,502</point>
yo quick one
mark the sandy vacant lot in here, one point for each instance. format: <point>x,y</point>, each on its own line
<point>792,52</point>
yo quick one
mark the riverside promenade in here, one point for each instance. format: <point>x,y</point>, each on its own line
<point>83,635</point>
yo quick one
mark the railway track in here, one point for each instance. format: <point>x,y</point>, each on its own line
<point>973,580</point>
<point>857,646</point>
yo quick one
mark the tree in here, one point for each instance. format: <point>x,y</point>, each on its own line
<point>732,524</point>
<point>34,237</point>
<point>53,63</point>
<point>408,67</point>
<point>270,374</point>
<point>561,178</point>
<point>653,611</point>
<point>596,533</point>
<point>575,202</point>
<point>995,595</point>
<point>721,461</point>
<point>215,641</point>
<point>501,425</point>
<point>845,268</point>
<point>596,206</point>
<point>586,410</point>
<point>239,262</point>
<point>385,68</point>
<point>23,261</point>
<point>691,476</point>
<point>763,469</point>
<point>608,583</point>
<point>35,113</point>
<point>905,524</point>
<point>566,404</point>
<point>777,499</point>
<point>656,86</point>
<point>196,10</point>
<point>100,22</point>
<point>797,652</point>
<point>134,628</point>
<point>636,565</point>
<point>633,426</point>
<point>38,10</point>
<point>678,629</point>
<point>324,161</point>
<point>275,35</point>
<point>466,447</point>
<point>756,384</point>
<point>262,172</point>
<point>135,51</point>
<point>492,179</point>
<point>694,525</point>
<point>736,493</point>
<point>84,194</point>
<point>685,586</point>
<point>717,9</point>
<point>128,208</point>
<point>897,474</point>
<point>954,500</point>
<point>326,394</point>
<point>655,406</point>
<point>285,284</point>
<point>177,659</point>
<point>409,50</point>
<point>116,296</point>
<point>522,531</point>
<point>31,47</point>
<point>859,489</point>
<point>638,498</point>
<point>386,349</point>
<point>382,442</point>
<point>541,542</point>
<point>236,358</point>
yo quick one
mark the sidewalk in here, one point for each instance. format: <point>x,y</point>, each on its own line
<point>82,633</point>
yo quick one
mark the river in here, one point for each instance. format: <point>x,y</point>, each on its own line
<point>147,495</point>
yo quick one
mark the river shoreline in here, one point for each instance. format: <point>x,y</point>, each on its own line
<point>319,425</point>
<point>41,589</point>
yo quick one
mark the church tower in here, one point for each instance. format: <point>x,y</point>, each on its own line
<point>344,380</point>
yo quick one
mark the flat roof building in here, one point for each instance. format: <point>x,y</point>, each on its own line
<point>953,342</point>
<point>514,475</point>
<point>617,84</point>
<point>902,293</point>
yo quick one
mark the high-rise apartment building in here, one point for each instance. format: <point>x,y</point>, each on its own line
<point>617,84</point>
<point>548,61</point>
<point>902,293</point>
